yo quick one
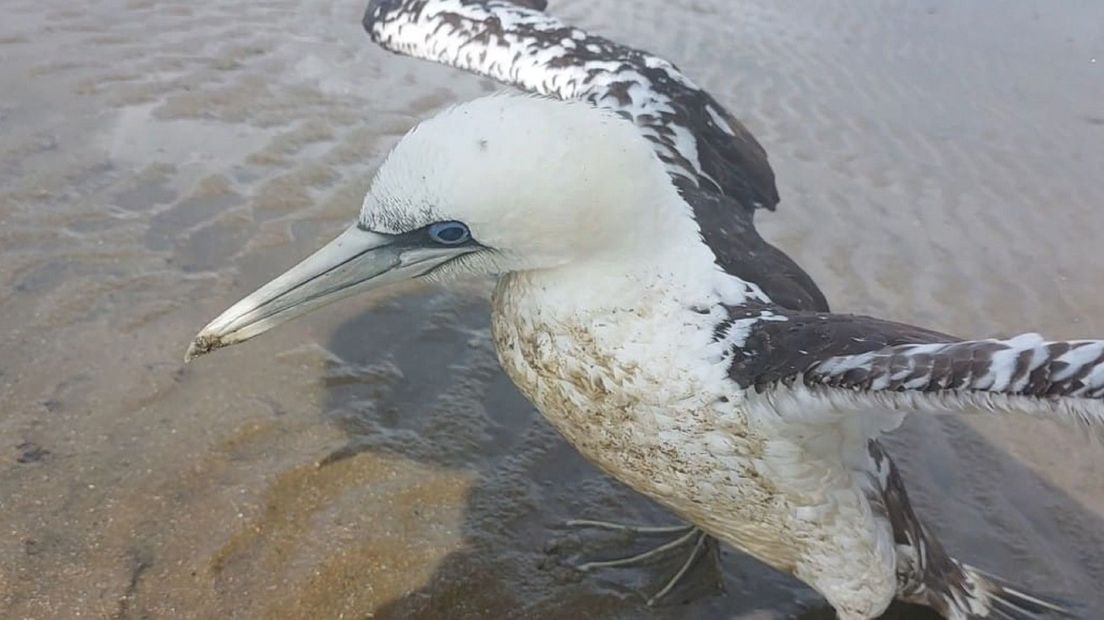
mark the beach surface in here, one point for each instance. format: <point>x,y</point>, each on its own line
<point>940,163</point>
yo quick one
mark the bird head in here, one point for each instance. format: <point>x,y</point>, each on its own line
<point>501,184</point>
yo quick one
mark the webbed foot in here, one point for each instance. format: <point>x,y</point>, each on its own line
<point>695,542</point>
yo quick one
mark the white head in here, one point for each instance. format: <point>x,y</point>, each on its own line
<point>504,183</point>
<point>542,182</point>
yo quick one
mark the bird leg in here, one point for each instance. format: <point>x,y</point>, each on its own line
<point>681,536</point>
<point>632,529</point>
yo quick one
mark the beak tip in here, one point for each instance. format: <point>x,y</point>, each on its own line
<point>202,345</point>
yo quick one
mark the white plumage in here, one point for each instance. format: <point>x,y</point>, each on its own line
<point>695,363</point>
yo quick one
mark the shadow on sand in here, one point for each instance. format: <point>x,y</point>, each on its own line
<point>444,402</point>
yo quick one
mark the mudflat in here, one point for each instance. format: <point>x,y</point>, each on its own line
<point>939,164</point>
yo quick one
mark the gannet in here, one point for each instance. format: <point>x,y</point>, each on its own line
<point>639,310</point>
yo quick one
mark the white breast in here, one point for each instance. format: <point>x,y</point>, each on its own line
<point>641,393</point>
<point>633,390</point>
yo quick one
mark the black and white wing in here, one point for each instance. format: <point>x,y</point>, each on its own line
<point>516,43</point>
<point>851,363</point>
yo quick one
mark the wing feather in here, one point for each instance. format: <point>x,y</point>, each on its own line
<point>699,141</point>
<point>832,359</point>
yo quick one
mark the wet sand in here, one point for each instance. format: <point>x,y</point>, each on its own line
<point>939,163</point>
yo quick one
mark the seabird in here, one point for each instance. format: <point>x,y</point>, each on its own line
<point>640,311</point>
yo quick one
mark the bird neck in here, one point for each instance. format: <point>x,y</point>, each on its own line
<point>670,279</point>
<point>663,267</point>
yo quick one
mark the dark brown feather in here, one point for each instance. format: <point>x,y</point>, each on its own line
<point>728,159</point>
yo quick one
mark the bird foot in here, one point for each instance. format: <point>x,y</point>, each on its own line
<point>681,536</point>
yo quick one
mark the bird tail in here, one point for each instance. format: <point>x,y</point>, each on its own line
<point>962,592</point>
<point>928,575</point>
<point>996,598</point>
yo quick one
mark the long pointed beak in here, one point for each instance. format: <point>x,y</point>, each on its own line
<point>356,261</point>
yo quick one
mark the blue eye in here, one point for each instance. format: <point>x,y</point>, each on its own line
<point>449,233</point>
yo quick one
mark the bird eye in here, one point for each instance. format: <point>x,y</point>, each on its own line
<point>449,233</point>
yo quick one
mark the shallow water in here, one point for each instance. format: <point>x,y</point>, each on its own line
<point>939,163</point>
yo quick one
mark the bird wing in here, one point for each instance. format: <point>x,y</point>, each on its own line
<point>740,250</point>
<point>516,43</point>
<point>806,363</point>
